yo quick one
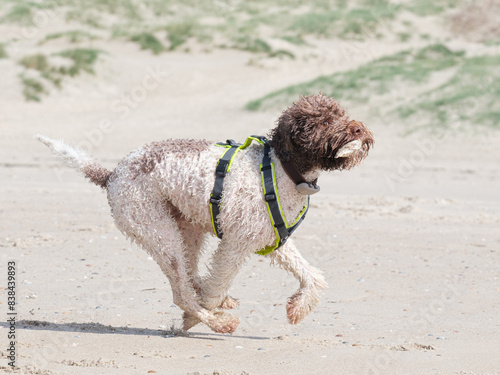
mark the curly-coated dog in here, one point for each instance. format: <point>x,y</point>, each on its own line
<point>160,198</point>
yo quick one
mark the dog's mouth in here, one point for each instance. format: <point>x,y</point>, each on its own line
<point>353,148</point>
<point>349,149</point>
<point>348,155</point>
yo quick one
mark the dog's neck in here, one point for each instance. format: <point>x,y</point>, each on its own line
<point>292,171</point>
<point>305,184</point>
<point>298,169</point>
<point>285,153</point>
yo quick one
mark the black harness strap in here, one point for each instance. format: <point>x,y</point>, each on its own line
<point>272,200</point>
<point>220,173</point>
<point>281,228</point>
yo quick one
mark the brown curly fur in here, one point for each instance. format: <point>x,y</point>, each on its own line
<point>313,129</point>
<point>97,174</point>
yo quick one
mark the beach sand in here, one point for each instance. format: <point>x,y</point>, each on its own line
<point>409,241</point>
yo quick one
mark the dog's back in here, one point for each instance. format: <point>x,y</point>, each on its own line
<point>179,174</point>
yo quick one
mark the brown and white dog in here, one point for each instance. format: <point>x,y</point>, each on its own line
<point>159,196</point>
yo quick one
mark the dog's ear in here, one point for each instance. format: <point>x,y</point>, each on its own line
<point>292,124</point>
<point>305,108</point>
<point>280,136</point>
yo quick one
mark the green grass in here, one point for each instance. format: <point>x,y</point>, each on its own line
<point>294,39</point>
<point>342,22</point>
<point>470,94</point>
<point>24,12</point>
<point>83,60</point>
<point>178,33</point>
<point>253,45</point>
<point>3,52</point>
<point>404,37</point>
<point>260,46</point>
<point>90,11</point>
<point>19,13</point>
<point>148,41</point>
<point>361,21</point>
<point>314,23</point>
<point>432,7</point>
<point>40,63</point>
<point>74,36</point>
<point>32,89</point>
<point>37,62</point>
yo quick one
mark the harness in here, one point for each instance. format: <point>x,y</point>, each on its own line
<point>281,228</point>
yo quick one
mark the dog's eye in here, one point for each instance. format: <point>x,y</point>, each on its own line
<point>326,123</point>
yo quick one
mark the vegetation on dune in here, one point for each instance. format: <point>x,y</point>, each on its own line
<point>38,62</point>
<point>374,78</point>
<point>466,86</point>
<point>3,52</point>
<point>32,89</point>
<point>81,60</point>
<point>178,33</point>
<point>231,21</point>
<point>431,7</point>
<point>469,94</point>
<point>74,36</point>
<point>19,13</point>
<point>148,41</point>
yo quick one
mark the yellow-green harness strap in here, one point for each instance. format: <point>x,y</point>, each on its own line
<point>269,186</point>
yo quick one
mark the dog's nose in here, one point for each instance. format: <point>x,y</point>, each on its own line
<point>356,128</point>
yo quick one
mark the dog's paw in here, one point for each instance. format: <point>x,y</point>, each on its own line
<point>223,323</point>
<point>229,303</point>
<point>299,306</point>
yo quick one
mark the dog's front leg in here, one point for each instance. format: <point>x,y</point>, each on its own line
<point>311,281</point>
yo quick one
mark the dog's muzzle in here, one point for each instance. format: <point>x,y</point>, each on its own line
<point>349,149</point>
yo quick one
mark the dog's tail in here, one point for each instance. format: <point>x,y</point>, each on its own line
<point>76,158</point>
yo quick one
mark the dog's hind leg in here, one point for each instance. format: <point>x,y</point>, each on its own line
<point>153,224</point>
<point>224,265</point>
<point>169,252</point>
<point>311,281</point>
<point>194,239</point>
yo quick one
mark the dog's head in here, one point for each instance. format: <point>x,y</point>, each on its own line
<point>316,133</point>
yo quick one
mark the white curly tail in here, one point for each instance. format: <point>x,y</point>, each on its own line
<point>77,159</point>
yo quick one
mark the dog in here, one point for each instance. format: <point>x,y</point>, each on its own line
<point>160,196</point>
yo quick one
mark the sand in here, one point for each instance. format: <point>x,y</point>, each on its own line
<point>409,241</point>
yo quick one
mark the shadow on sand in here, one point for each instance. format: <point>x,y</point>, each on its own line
<point>103,329</point>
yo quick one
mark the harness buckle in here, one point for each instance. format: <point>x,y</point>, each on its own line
<point>270,197</point>
<point>221,168</point>
<point>214,200</point>
<point>265,168</point>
